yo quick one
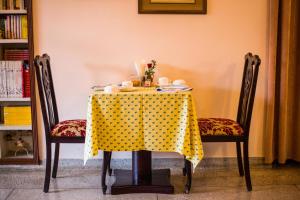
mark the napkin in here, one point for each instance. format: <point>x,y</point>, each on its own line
<point>174,88</point>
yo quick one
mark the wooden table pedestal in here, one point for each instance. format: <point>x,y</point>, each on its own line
<point>142,179</point>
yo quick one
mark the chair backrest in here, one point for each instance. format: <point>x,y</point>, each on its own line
<point>46,92</point>
<point>248,89</point>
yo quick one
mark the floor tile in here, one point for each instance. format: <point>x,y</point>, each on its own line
<point>208,183</point>
<point>4,193</point>
<point>89,179</point>
<point>258,193</point>
<point>74,194</point>
<point>20,179</point>
<point>37,194</point>
<point>131,197</point>
<point>231,178</point>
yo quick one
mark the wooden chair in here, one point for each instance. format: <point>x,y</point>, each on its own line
<point>69,131</point>
<point>227,130</point>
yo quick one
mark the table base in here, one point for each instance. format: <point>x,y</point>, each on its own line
<point>160,183</point>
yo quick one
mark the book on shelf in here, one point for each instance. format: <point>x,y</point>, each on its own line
<point>16,54</point>
<point>15,79</point>
<point>26,80</point>
<point>3,88</point>
<point>24,25</point>
<point>13,4</point>
<point>13,27</point>
<point>17,115</point>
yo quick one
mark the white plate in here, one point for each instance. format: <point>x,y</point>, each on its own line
<point>174,87</point>
<point>98,88</point>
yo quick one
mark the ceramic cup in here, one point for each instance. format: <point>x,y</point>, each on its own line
<point>163,81</point>
<point>127,84</point>
<point>111,89</point>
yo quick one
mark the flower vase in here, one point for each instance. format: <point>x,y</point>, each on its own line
<point>148,81</point>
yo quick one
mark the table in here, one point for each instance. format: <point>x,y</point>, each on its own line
<point>143,121</point>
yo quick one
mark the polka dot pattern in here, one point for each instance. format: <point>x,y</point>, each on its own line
<point>143,120</point>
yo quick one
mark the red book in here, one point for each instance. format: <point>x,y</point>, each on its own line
<point>16,54</point>
<point>26,80</point>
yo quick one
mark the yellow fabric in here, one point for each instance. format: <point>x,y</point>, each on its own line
<point>143,120</point>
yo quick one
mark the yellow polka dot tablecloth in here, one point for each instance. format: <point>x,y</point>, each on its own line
<point>143,120</point>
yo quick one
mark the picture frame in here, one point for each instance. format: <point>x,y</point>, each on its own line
<point>172,6</point>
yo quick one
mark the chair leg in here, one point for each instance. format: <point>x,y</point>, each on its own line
<point>184,168</point>
<point>56,157</point>
<point>188,167</point>
<point>104,170</point>
<point>109,162</point>
<point>48,167</point>
<point>246,166</point>
<point>239,158</point>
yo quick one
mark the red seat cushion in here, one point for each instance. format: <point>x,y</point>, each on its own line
<point>219,127</point>
<point>69,128</point>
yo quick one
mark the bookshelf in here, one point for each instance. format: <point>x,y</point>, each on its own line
<point>13,12</point>
<point>13,41</point>
<point>17,52</point>
<point>25,99</point>
<point>15,127</point>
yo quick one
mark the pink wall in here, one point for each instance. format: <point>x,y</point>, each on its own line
<point>96,41</point>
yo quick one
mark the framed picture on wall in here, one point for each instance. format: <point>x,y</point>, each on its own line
<point>172,6</point>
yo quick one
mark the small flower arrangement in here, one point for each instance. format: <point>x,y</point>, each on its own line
<point>149,73</point>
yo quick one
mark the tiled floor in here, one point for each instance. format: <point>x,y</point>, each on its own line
<point>208,183</point>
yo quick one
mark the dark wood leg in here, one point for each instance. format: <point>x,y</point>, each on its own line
<point>184,168</point>
<point>109,161</point>
<point>56,157</point>
<point>246,165</point>
<point>142,179</point>
<point>239,158</point>
<point>188,184</point>
<point>48,167</point>
<point>142,167</point>
<point>104,170</point>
